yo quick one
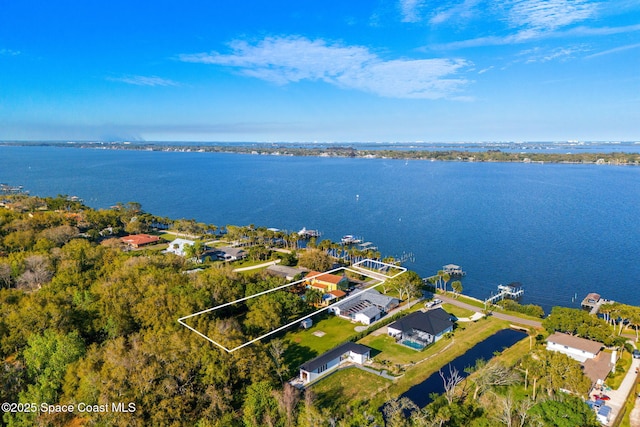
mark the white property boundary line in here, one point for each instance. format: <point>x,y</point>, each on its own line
<point>360,270</point>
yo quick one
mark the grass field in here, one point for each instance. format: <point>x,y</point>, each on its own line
<point>343,387</point>
<point>303,345</point>
<point>387,351</point>
<point>614,380</point>
<point>457,311</point>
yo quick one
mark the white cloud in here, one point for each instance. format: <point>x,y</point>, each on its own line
<point>548,15</point>
<point>144,81</point>
<point>9,52</point>
<point>541,55</point>
<point>410,10</point>
<point>465,10</point>
<point>283,60</point>
<point>529,20</point>
<point>615,50</point>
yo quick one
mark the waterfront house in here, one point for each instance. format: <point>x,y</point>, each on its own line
<point>230,254</point>
<point>595,363</point>
<point>177,246</point>
<point>357,308</point>
<point>576,348</point>
<point>326,282</point>
<point>332,359</point>
<point>139,240</point>
<point>418,330</point>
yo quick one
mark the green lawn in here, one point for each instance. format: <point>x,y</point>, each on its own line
<point>341,388</point>
<point>387,351</point>
<point>614,380</point>
<point>457,311</point>
<point>303,345</point>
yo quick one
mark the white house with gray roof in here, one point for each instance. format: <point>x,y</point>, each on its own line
<point>366,307</point>
<point>332,359</point>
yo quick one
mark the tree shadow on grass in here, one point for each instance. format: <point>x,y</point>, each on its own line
<point>297,354</point>
<point>332,399</point>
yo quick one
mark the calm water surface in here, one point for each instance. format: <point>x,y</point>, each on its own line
<point>561,230</point>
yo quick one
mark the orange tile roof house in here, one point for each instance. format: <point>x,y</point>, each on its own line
<point>326,282</point>
<point>138,240</point>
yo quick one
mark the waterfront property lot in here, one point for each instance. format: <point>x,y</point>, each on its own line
<point>336,331</point>
<point>377,270</point>
<point>346,386</point>
<point>417,365</point>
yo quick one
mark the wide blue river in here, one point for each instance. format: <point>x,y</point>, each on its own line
<point>561,230</point>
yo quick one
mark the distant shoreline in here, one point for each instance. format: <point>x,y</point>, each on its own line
<point>350,151</point>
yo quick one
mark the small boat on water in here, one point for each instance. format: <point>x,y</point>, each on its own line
<point>453,270</point>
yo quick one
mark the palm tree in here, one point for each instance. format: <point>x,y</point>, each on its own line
<point>457,287</point>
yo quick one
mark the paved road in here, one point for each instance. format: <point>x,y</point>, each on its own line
<point>619,396</point>
<point>509,318</point>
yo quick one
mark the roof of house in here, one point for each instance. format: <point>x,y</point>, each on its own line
<point>371,312</point>
<point>140,239</point>
<point>338,293</point>
<point>432,322</point>
<point>333,354</point>
<point>575,342</point>
<point>598,368</point>
<point>324,277</point>
<point>232,251</point>
<point>374,297</point>
<point>593,296</point>
<point>285,270</point>
<point>321,286</point>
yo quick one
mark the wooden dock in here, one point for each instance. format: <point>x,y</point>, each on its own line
<point>512,291</point>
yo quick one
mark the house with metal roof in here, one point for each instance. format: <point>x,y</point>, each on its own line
<point>351,307</point>
<point>324,364</point>
<point>419,329</point>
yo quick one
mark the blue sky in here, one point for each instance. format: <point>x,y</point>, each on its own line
<point>380,70</point>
